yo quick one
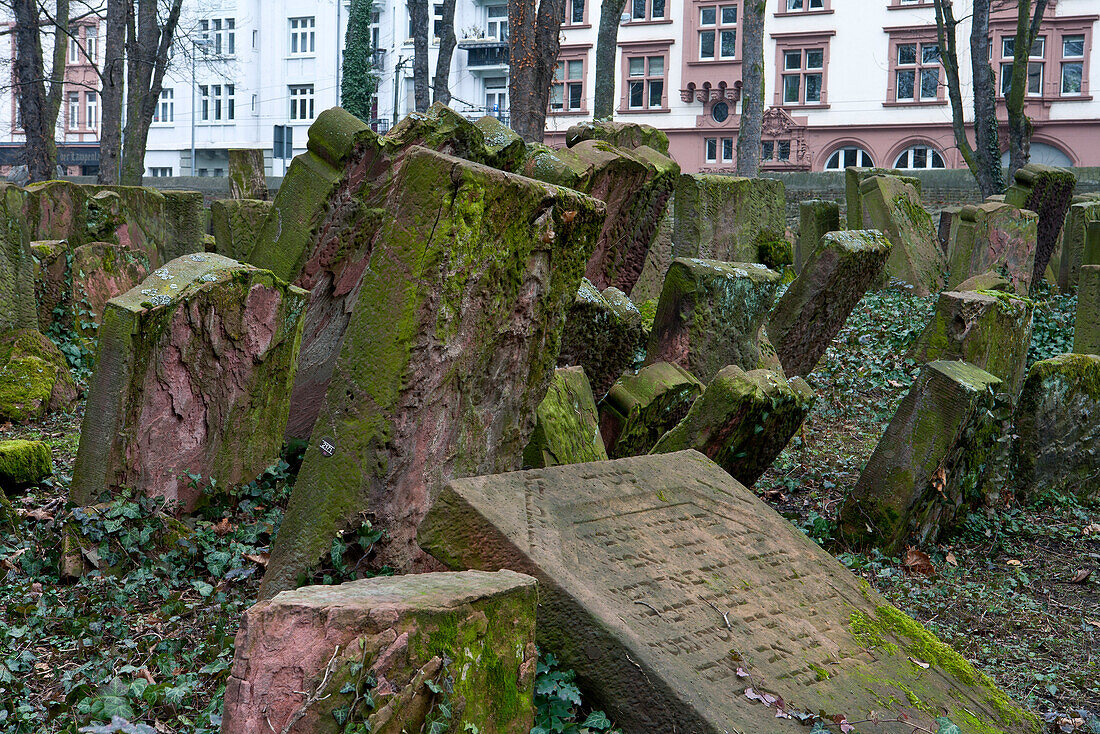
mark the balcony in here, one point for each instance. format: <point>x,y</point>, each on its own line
<point>484,52</point>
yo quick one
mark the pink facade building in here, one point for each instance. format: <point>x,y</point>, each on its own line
<point>848,82</point>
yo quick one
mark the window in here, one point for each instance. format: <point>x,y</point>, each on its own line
<point>1035,66</point>
<point>1073,64</point>
<point>219,34</point>
<point>302,36</point>
<point>775,151</point>
<point>794,6</point>
<point>710,149</point>
<point>720,112</point>
<point>498,23</point>
<point>917,72</point>
<point>919,157</point>
<point>438,29</point>
<point>727,150</point>
<point>572,12</point>
<point>849,156</point>
<point>165,172</point>
<point>718,32</point>
<point>91,43</point>
<point>165,110</point>
<point>496,96</point>
<point>645,82</point>
<point>74,47</point>
<point>91,109</point>
<point>217,102</point>
<point>802,76</point>
<point>74,110</point>
<point>567,89</point>
<point>301,102</point>
<point>641,10</point>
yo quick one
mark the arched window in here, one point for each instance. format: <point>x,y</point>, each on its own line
<point>849,156</point>
<point>1046,154</point>
<point>918,157</point>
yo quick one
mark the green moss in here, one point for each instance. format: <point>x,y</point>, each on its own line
<point>24,462</point>
<point>820,673</point>
<point>30,370</point>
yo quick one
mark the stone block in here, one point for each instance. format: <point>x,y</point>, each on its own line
<point>237,223</point>
<point>893,206</point>
<point>247,174</point>
<point>34,377</point>
<point>1086,329</point>
<point>51,272</point>
<point>17,304</point>
<point>1047,191</point>
<point>742,421</point>
<point>657,261</point>
<point>930,466</point>
<point>629,135</point>
<point>185,224</point>
<point>23,463</point>
<point>710,314</point>
<point>814,308</point>
<point>727,218</point>
<point>448,349</point>
<point>997,237</point>
<point>990,330</point>
<point>854,177</point>
<point>411,644</point>
<point>987,281</point>
<point>1071,254</point>
<point>504,146</point>
<point>441,129</point>
<point>948,215</point>
<point>1058,424</point>
<point>193,373</point>
<point>567,425</point>
<point>661,576</point>
<point>1091,254</point>
<point>816,218</point>
<point>99,272</point>
<point>603,333</point>
<point>641,408</point>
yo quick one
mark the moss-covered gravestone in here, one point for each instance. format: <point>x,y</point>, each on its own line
<point>931,465</point>
<point>194,369</point>
<point>505,147</point>
<point>641,408</point>
<point>567,426</point>
<point>683,601</point>
<point>440,652</point>
<point>237,223</point>
<point>1071,254</point>
<point>988,329</point>
<point>34,377</point>
<point>17,309</point>
<point>893,206</point>
<point>448,350</point>
<point>993,236</point>
<point>23,463</point>
<point>854,177</point>
<point>987,281</point>
<point>1091,254</point>
<point>710,314</point>
<point>627,135</point>
<point>657,261</point>
<point>1047,191</point>
<point>247,174</point>
<point>604,334</point>
<point>1086,329</point>
<point>728,218</point>
<point>815,306</point>
<point>1058,423</point>
<point>816,218</point>
<point>742,421</point>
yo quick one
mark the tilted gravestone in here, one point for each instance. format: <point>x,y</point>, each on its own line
<point>727,218</point>
<point>604,334</point>
<point>629,135</point>
<point>237,224</point>
<point>993,236</point>
<point>378,651</point>
<point>17,305</point>
<point>943,227</point>
<point>931,464</point>
<point>893,206</point>
<point>448,349</point>
<point>640,408</point>
<point>1091,254</point>
<point>681,600</point>
<point>193,372</point>
<point>854,177</point>
<point>710,314</point>
<point>742,421</point>
<point>816,218</point>
<point>1082,211</point>
<point>657,261</point>
<point>247,174</point>
<point>815,306</point>
<point>567,425</point>
<point>987,281</point>
<point>1047,191</point>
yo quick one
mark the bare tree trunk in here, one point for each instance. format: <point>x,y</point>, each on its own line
<point>441,85</point>
<point>418,13</point>
<point>607,50</point>
<point>114,74</point>
<point>57,67</point>
<point>752,89</point>
<point>39,150</point>
<point>534,52</point>
<point>987,143</point>
<point>1019,126</point>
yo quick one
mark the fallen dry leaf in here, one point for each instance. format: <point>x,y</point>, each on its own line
<point>224,528</point>
<point>918,562</point>
<point>951,560</point>
<point>939,481</point>
<point>260,558</point>
<point>1093,529</point>
<point>1014,562</point>
<point>919,663</point>
<point>38,514</point>
<point>1081,576</point>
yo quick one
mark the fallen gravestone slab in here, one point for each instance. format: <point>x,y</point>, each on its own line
<point>742,421</point>
<point>710,314</point>
<point>727,218</point>
<point>34,377</point>
<point>990,330</point>
<point>627,135</point>
<point>448,350</point>
<point>603,333</point>
<point>817,303</point>
<point>1047,191</point>
<point>987,281</point>
<point>17,304</point>
<point>641,408</point>
<point>893,206</point>
<point>930,466</point>
<point>993,236</point>
<point>236,224</point>
<point>247,178</point>
<point>1058,423</point>
<point>682,600</point>
<point>567,428</point>
<point>193,374</point>
<point>816,218</point>
<point>1086,328</point>
<point>854,177</point>
<point>387,653</point>
<point>23,463</point>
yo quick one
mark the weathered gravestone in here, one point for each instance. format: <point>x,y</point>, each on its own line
<point>664,583</point>
<point>1058,423</point>
<point>710,314</point>
<point>17,306</point>
<point>1086,328</point>
<point>247,174</point>
<point>930,466</point>
<point>742,421</point>
<point>603,333</point>
<point>993,236</point>
<point>236,224</point>
<point>505,147</point>
<point>34,377</point>
<point>448,350</point>
<point>1047,191</point>
<point>987,281</point>
<point>815,306</point>
<point>388,652</point>
<point>816,218</point>
<point>727,218</point>
<point>23,463</point>
<point>893,206</point>
<point>657,261</point>
<point>854,177</point>
<point>944,226</point>
<point>567,425</point>
<point>1091,254</point>
<point>629,135</point>
<point>989,330</point>
<point>641,408</point>
<point>193,374</point>
<point>1071,254</point>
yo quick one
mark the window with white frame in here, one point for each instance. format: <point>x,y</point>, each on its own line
<point>303,34</point>
<point>161,172</point>
<point>217,102</point>
<point>648,10</point>
<point>727,150</point>
<point>74,109</point>
<point>919,157</point>
<point>917,77</point>
<point>710,150</point>
<point>496,95</point>
<point>645,82</point>
<point>301,102</point>
<point>438,28</point>
<point>1073,65</point>
<point>91,43</point>
<point>717,32</point>
<point>166,107</point>
<point>567,89</point>
<point>803,75</point>
<point>775,150</point>
<point>497,25</point>
<point>849,156</point>
<point>74,47</point>
<point>219,35</point>
<point>91,109</point>
<point>572,12</point>
<point>1035,65</point>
